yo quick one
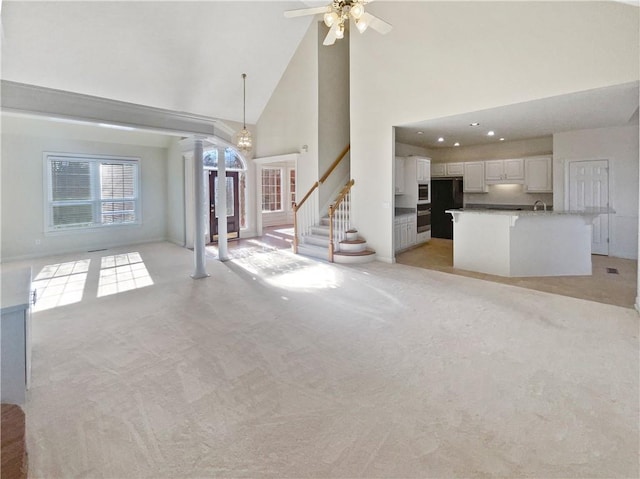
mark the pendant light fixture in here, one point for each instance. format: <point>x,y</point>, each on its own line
<point>243,138</point>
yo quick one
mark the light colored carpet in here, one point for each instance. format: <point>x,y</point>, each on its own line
<point>292,368</point>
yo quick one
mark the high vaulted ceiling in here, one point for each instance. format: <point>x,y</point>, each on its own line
<point>182,56</point>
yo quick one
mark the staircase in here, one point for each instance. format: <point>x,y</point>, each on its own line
<point>351,250</point>
<point>330,238</point>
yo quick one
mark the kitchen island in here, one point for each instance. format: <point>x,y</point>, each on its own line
<point>523,243</point>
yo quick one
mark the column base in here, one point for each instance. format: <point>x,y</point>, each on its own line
<point>200,275</point>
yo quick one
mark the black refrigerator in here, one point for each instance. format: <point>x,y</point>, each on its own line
<point>446,194</point>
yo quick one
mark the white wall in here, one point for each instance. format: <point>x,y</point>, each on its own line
<point>447,58</point>
<point>24,140</point>
<point>402,149</point>
<point>175,194</point>
<point>496,151</point>
<point>290,119</point>
<point>507,195</point>
<point>333,114</point>
<point>620,147</point>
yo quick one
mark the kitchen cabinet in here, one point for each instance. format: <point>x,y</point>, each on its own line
<point>438,169</point>
<point>447,169</point>
<point>404,232</point>
<point>455,169</point>
<point>15,331</point>
<point>399,176</point>
<point>504,171</point>
<point>423,169</point>
<point>474,181</point>
<point>538,175</point>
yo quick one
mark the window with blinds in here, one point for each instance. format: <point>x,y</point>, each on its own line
<point>88,192</point>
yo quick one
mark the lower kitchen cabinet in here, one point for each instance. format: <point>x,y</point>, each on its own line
<point>15,331</point>
<point>404,232</point>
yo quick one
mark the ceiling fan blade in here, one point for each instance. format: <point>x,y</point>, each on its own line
<point>305,11</point>
<point>376,23</point>
<point>330,39</point>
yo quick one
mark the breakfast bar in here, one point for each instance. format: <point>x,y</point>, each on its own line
<point>523,243</point>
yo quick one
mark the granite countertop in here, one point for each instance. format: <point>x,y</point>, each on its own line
<point>585,212</point>
<point>405,211</point>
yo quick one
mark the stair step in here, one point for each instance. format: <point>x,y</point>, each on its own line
<point>353,241</point>
<point>353,246</point>
<point>346,257</point>
<point>316,240</point>
<point>313,251</point>
<point>320,230</point>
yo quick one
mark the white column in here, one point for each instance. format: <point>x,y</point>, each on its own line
<point>198,190</point>
<point>222,206</point>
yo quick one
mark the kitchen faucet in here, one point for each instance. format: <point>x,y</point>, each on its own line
<point>537,203</point>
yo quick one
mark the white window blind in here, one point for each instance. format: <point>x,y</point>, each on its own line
<point>87,192</point>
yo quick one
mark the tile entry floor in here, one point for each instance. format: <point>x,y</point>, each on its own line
<point>617,289</point>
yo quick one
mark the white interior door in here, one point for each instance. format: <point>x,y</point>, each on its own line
<point>589,187</point>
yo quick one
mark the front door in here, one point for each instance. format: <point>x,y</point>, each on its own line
<point>233,210</point>
<point>589,187</point>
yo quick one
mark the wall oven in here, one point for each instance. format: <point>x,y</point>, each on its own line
<point>423,192</point>
<point>424,218</point>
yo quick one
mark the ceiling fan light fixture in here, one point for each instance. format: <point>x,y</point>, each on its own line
<point>357,9</point>
<point>330,18</point>
<point>243,138</point>
<point>361,25</point>
<point>340,31</point>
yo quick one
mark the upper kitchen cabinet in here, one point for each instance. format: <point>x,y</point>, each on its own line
<point>399,176</point>
<point>455,169</point>
<point>537,172</point>
<point>438,169</point>
<point>474,181</point>
<point>447,169</point>
<point>423,169</point>
<point>504,171</point>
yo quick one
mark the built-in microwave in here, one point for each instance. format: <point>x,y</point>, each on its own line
<point>423,192</point>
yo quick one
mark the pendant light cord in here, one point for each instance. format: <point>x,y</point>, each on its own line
<point>244,100</point>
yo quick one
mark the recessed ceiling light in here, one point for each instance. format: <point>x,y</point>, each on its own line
<point>501,139</point>
<point>456,144</point>
<point>491,133</point>
<point>475,123</point>
<point>440,140</point>
<point>419,132</point>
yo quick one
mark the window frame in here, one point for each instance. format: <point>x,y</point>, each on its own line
<point>283,179</point>
<point>96,199</point>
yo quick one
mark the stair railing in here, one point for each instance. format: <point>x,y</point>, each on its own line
<point>306,213</point>
<point>339,219</point>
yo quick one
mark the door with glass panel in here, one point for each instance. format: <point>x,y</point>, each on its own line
<point>233,209</point>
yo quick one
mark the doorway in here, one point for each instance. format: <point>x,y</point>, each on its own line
<point>233,205</point>
<point>588,187</point>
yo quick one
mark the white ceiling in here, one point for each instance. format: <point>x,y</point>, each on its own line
<point>603,107</point>
<point>182,56</point>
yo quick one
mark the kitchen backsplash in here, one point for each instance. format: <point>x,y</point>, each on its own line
<point>507,195</point>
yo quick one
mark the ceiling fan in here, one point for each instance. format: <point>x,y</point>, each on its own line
<point>338,12</point>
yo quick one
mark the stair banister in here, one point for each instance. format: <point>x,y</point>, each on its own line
<point>335,164</point>
<point>344,213</point>
<point>310,212</point>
